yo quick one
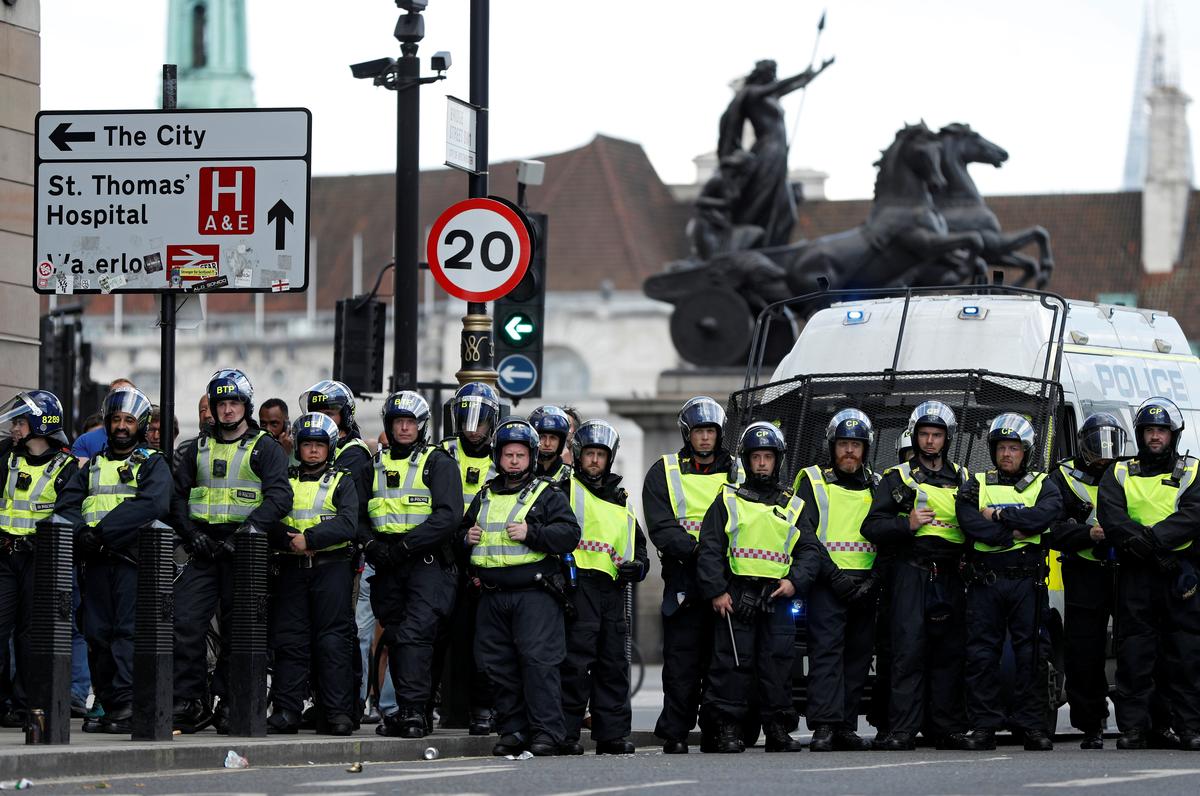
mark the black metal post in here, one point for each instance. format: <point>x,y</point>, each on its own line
<point>49,675</point>
<point>408,196</point>
<point>153,635</point>
<point>166,389</point>
<point>248,635</point>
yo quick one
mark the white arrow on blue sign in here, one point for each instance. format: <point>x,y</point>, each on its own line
<point>518,374</point>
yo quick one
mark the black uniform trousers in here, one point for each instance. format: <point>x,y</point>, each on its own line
<point>927,657</point>
<point>520,643</point>
<point>1156,633</point>
<point>1003,603</point>
<point>595,670</point>
<point>761,674</point>
<point>16,617</point>
<point>109,607</point>
<point>202,589</point>
<point>312,621</point>
<point>881,691</point>
<point>454,659</point>
<point>687,652</point>
<point>841,637</point>
<point>411,602</point>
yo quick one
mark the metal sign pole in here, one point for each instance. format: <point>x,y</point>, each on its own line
<point>166,389</point>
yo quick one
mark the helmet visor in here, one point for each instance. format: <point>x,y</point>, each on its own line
<point>703,412</point>
<point>130,402</point>
<point>596,435</point>
<point>472,412</point>
<point>1104,442</point>
<point>20,405</point>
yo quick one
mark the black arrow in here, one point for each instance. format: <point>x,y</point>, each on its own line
<point>282,213</point>
<point>62,139</point>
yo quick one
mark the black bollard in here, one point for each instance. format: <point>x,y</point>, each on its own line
<point>248,635</point>
<point>153,639</point>
<point>49,678</point>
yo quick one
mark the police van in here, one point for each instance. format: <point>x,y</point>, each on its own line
<point>983,351</point>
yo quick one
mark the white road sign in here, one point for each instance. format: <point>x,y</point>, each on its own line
<point>479,249</point>
<point>147,202</point>
<point>460,134</point>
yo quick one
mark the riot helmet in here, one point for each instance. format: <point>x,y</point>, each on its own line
<point>1160,412</point>
<point>849,424</point>
<point>41,410</point>
<point>762,436</point>
<point>549,419</point>
<point>230,384</point>
<point>315,427</point>
<point>476,405</point>
<point>1014,428</point>
<point>130,401</point>
<point>1101,438</point>
<point>519,431</point>
<point>937,415</point>
<point>595,434</point>
<point>699,412</point>
<point>329,395</point>
<point>405,403</point>
<point>904,445</point>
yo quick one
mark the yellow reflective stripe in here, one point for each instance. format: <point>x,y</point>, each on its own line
<point>1103,351</point>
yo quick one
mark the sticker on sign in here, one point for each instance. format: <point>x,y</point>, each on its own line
<point>479,249</point>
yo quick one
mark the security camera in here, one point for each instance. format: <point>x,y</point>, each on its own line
<point>410,28</point>
<point>440,61</point>
<point>412,6</point>
<point>531,172</point>
<point>372,69</point>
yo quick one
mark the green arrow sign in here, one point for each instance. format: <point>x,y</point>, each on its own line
<point>518,329</point>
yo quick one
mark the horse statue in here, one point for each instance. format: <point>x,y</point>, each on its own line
<point>964,209</point>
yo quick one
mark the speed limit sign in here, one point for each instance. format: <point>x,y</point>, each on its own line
<point>479,249</point>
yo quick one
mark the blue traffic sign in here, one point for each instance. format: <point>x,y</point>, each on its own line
<point>518,374</point>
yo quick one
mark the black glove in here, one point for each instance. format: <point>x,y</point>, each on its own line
<point>866,589</point>
<point>747,607</point>
<point>630,572</point>
<point>842,586</point>
<point>376,553</point>
<point>203,547</point>
<point>87,541</point>
<point>1140,546</point>
<point>398,553</point>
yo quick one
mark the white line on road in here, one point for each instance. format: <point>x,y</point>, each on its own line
<point>412,777</point>
<point>620,788</point>
<point>910,763</point>
<point>1134,776</point>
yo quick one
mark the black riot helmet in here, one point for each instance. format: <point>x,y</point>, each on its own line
<point>41,409</point>
<point>405,403</point>
<point>1157,411</point>
<point>133,402</point>
<point>762,436</point>
<point>476,404</point>
<point>1014,428</point>
<point>937,415</point>
<point>315,427</point>
<point>518,431</point>
<point>230,384</point>
<point>1101,438</point>
<point>697,413</point>
<point>595,434</point>
<point>850,424</point>
<point>328,395</point>
<point>549,419</point>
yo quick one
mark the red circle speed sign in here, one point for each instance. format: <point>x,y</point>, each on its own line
<point>479,249</point>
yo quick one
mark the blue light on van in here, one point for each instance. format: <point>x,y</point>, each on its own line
<point>971,313</point>
<point>855,317</point>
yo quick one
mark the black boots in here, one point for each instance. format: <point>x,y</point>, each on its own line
<point>1038,741</point>
<point>779,740</point>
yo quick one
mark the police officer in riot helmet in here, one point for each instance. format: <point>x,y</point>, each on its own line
<point>233,475</point>
<point>516,528</point>
<point>35,470</point>
<point>610,558</point>
<point>913,517</point>
<point>842,602</point>
<point>554,428</point>
<point>1004,513</point>
<point>1149,508</point>
<point>904,447</point>
<point>415,509</point>
<point>676,494</point>
<point>753,561</point>
<point>119,491</point>
<point>312,621</point>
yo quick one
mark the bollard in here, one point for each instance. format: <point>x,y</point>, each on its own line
<point>154,635</point>
<point>49,678</point>
<point>248,635</point>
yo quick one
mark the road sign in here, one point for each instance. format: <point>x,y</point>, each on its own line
<point>517,374</point>
<point>160,201</point>
<point>460,134</point>
<point>518,329</point>
<point>479,249</point>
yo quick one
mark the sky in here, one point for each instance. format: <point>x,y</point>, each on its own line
<point>1049,80</point>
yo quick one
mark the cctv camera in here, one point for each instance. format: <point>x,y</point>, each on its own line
<point>410,28</point>
<point>412,6</point>
<point>440,61</point>
<point>531,172</point>
<point>371,69</point>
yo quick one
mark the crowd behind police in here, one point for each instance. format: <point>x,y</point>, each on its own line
<point>511,546</point>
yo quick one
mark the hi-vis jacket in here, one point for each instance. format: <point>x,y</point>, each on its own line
<point>324,509</point>
<point>611,533</point>
<point>416,496</point>
<point>474,470</point>
<point>1163,498</point>
<point>1028,502</point>
<point>118,496</point>
<point>29,487</point>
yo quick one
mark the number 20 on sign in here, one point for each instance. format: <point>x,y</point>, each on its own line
<point>479,249</point>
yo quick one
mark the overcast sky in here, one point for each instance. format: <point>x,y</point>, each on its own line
<point>1049,80</point>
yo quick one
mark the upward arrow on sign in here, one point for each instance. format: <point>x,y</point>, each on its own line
<point>517,327</point>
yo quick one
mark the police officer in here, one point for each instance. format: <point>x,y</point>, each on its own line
<point>913,512</point>
<point>35,471</point>
<point>841,604</point>
<point>1149,508</point>
<point>610,557</point>
<point>475,410</point>
<point>1004,513</point>
<point>415,509</point>
<point>233,474</point>
<point>676,494</point>
<point>121,490</point>
<point>752,562</point>
<point>553,427</point>
<point>516,526</point>
<point>311,615</point>
<point>904,447</point>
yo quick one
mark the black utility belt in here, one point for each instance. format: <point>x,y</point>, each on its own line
<point>934,564</point>
<point>985,572</point>
<point>301,561</point>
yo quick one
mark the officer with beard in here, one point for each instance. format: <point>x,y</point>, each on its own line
<point>1004,512</point>
<point>841,604</point>
<point>516,528</point>
<point>753,560</point>
<point>611,556</point>
<point>913,512</point>
<point>415,509</point>
<point>676,494</point>
<point>234,474</point>
<point>120,491</point>
<point>1149,508</point>
<point>553,427</point>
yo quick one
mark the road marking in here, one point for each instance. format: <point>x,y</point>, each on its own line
<point>620,788</point>
<point>1135,776</point>
<point>910,763</point>
<point>407,777</point>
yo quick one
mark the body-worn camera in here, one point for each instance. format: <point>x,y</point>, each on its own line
<point>472,475</point>
<point>125,474</point>
<point>393,479</point>
<point>219,468</point>
<point>24,480</point>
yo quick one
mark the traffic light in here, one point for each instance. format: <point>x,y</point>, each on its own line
<point>358,338</point>
<point>518,321</point>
